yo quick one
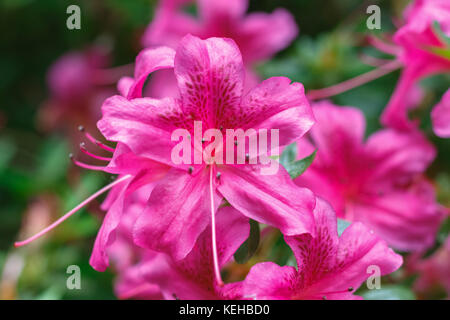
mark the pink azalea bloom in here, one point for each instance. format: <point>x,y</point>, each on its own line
<point>440,116</point>
<point>434,272</point>
<point>417,40</point>
<point>192,278</point>
<point>210,76</point>
<point>258,35</point>
<point>76,93</point>
<point>378,182</point>
<point>329,266</point>
<point>183,202</point>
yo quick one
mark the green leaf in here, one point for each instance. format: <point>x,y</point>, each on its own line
<point>289,154</point>
<point>440,33</point>
<point>389,292</point>
<point>342,225</point>
<point>53,162</point>
<point>52,293</point>
<point>248,248</point>
<point>443,52</point>
<point>7,151</point>
<point>296,168</point>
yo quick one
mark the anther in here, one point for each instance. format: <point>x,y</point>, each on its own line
<point>70,156</point>
<point>350,289</point>
<point>324,297</point>
<point>247,156</point>
<point>83,145</point>
<point>190,169</point>
<point>235,142</point>
<point>218,175</point>
<point>81,128</point>
<point>203,140</point>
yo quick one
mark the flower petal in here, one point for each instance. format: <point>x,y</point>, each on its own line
<point>131,285</point>
<point>269,281</point>
<point>440,117</point>
<point>145,125</point>
<point>177,212</point>
<point>398,156</point>
<point>277,103</point>
<point>338,131</point>
<point>316,255</point>
<point>148,61</point>
<point>193,276</point>
<point>329,266</point>
<point>270,199</point>
<point>221,12</point>
<point>99,257</point>
<point>266,34</point>
<point>408,220</point>
<point>210,76</point>
<point>358,250</point>
<point>169,25</point>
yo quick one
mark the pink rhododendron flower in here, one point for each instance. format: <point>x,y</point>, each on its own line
<point>419,42</point>
<point>76,89</point>
<point>258,35</point>
<point>440,116</point>
<point>434,272</point>
<point>378,182</point>
<point>329,267</point>
<point>210,76</point>
<point>193,276</point>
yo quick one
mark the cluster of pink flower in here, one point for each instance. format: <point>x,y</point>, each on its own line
<point>170,228</point>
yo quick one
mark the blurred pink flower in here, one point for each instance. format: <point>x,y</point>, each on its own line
<point>258,35</point>
<point>418,40</point>
<point>329,267</point>
<point>76,90</point>
<point>440,116</point>
<point>378,182</point>
<point>210,76</point>
<point>434,272</point>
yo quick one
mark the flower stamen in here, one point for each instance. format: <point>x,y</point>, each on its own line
<point>213,232</point>
<point>71,212</point>
<point>95,141</point>
<point>85,151</point>
<point>84,165</point>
